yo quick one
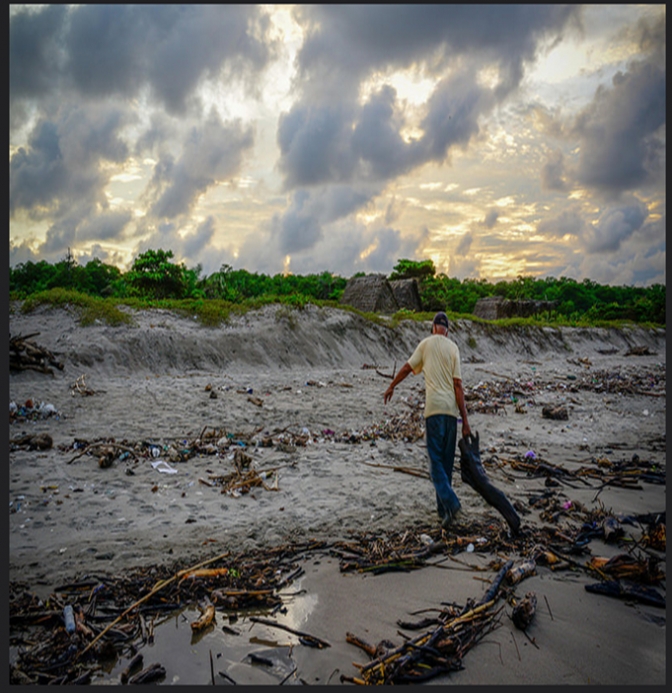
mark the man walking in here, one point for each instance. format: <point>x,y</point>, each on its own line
<point>438,358</point>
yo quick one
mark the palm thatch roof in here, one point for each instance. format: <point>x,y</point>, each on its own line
<point>497,307</point>
<point>407,293</point>
<point>370,294</point>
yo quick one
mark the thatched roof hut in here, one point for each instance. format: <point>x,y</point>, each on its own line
<point>370,294</point>
<point>498,307</point>
<point>407,294</point>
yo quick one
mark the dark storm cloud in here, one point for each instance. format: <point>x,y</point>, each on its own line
<point>622,132</point>
<point>315,145</point>
<point>34,51</point>
<point>336,145</point>
<point>452,115</point>
<point>553,172</point>
<point>195,244</point>
<point>464,245</point>
<point>620,135</point>
<point>61,236</point>
<point>329,137</point>
<point>387,250</point>
<point>162,131</point>
<point>37,174</point>
<point>118,50</point>
<point>61,166</point>
<point>490,219</point>
<point>301,226</point>
<point>334,137</point>
<point>376,138</point>
<point>568,222</point>
<point>616,225</point>
<point>212,152</point>
<point>353,40</point>
<point>108,225</point>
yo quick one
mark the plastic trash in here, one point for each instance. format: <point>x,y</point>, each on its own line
<point>46,409</point>
<point>470,548</point>
<point>163,466</point>
<point>525,569</point>
<point>69,618</point>
<point>426,539</point>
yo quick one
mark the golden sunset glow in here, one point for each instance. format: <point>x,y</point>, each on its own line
<point>307,135</point>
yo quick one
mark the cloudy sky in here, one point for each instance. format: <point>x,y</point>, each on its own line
<point>497,140</point>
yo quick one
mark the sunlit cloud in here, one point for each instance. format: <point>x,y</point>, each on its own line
<point>497,141</point>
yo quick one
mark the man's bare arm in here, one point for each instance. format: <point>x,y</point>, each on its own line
<point>404,371</point>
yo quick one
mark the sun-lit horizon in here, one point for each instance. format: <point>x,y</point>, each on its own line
<point>496,141</point>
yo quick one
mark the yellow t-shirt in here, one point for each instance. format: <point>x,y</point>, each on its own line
<point>438,358</point>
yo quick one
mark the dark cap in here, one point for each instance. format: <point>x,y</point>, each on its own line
<point>441,319</point>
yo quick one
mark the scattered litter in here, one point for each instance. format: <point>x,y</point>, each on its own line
<point>163,466</point>
<point>31,411</point>
<point>79,387</point>
<point>558,413</point>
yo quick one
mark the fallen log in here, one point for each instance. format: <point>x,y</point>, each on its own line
<point>26,355</point>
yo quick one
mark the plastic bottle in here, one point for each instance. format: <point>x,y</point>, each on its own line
<point>519,572</point>
<point>69,618</point>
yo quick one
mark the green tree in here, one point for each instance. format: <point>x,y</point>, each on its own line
<point>30,277</point>
<point>411,269</point>
<point>97,278</point>
<point>154,276</point>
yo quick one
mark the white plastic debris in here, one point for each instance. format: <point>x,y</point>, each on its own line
<point>163,466</point>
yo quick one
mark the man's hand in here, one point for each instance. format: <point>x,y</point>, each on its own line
<point>466,429</point>
<point>404,371</point>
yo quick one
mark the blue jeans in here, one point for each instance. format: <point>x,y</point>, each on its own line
<point>441,438</point>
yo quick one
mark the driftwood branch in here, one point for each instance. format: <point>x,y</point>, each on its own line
<point>88,448</point>
<point>385,375</point>
<point>157,588</point>
<point>26,355</point>
<point>406,470</point>
<point>310,638</point>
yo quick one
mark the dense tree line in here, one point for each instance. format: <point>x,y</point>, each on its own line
<point>155,276</point>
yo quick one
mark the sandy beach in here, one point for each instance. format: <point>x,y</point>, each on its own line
<point>296,396</point>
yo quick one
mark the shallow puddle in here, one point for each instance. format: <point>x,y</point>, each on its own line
<point>233,650</point>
